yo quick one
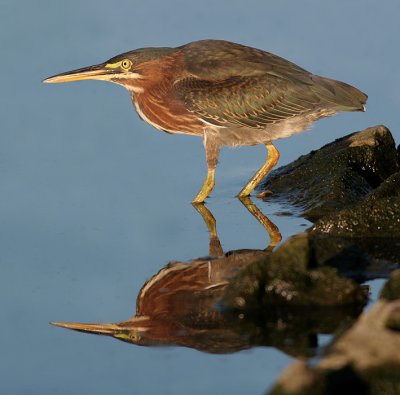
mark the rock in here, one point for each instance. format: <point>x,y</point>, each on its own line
<point>368,344</point>
<point>393,321</point>
<point>350,189</point>
<point>300,379</point>
<point>338,174</point>
<point>391,290</point>
<point>290,276</point>
<point>363,360</point>
<point>376,216</point>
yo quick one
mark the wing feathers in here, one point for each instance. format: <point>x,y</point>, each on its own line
<point>246,101</point>
<point>228,84</point>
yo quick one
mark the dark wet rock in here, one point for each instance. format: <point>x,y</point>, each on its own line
<point>377,215</point>
<point>363,360</point>
<point>291,276</point>
<point>391,290</point>
<point>337,175</point>
<point>350,188</point>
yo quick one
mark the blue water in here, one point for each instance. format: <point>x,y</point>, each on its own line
<point>93,201</point>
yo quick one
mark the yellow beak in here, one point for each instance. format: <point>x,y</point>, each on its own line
<point>97,72</point>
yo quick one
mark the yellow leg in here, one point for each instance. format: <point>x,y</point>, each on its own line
<point>207,187</point>
<point>272,159</point>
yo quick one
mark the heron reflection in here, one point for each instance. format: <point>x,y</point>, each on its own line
<point>178,306</point>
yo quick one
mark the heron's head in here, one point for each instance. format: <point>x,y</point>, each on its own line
<point>129,69</point>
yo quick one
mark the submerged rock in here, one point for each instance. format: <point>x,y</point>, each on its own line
<point>291,276</point>
<point>337,175</point>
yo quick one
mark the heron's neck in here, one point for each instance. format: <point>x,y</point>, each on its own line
<point>155,76</point>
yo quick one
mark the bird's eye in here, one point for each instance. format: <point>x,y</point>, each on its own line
<point>126,64</point>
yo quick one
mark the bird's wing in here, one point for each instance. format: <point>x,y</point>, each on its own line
<point>251,101</point>
<point>214,60</point>
<point>229,84</point>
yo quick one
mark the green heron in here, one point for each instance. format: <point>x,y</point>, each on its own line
<point>228,94</point>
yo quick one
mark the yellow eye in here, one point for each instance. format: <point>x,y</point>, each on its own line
<point>132,336</point>
<point>126,64</point>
